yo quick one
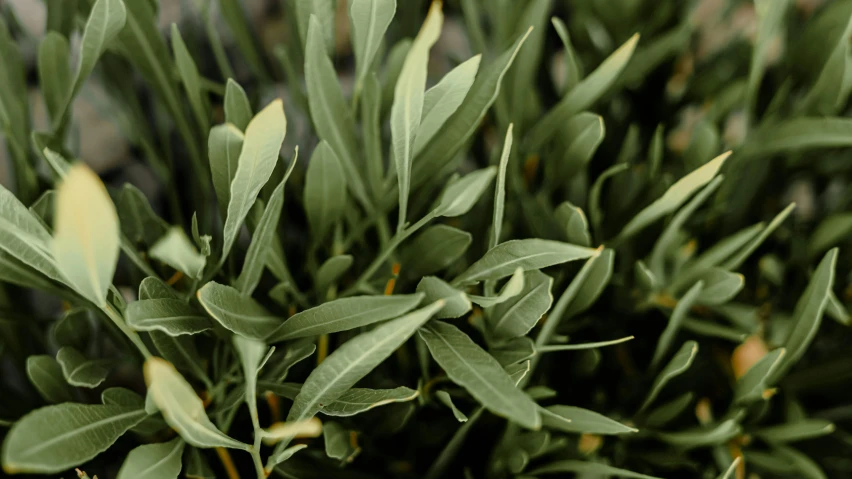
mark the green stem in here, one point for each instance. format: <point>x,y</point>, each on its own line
<point>134,338</point>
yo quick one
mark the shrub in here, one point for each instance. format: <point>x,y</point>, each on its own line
<point>574,253</point>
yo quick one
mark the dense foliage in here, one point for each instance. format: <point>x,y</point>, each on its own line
<point>521,239</point>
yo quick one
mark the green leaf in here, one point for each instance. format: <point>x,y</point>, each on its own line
<point>513,351</point>
<point>800,462</point>
<point>675,196</point>
<point>808,314</point>
<point>325,191</point>
<point>344,314</point>
<point>795,431</point>
<point>369,20</point>
<point>434,249</point>
<point>578,420</point>
<point>195,466</point>
<point>358,400</point>
<point>237,107</point>
<point>574,224</point>
<point>592,284</point>
<point>517,372</point>
<point>191,80</point>
<point>117,396</point>
<point>182,409</point>
<point>237,313</point>
<point>681,361</point>
<point>433,289</point>
<point>46,375</point>
<point>171,316</point>
<point>251,355</point>
<point>500,189</point>
<point>331,270</point>
<point>283,455</point>
<point>681,310</point>
<point>588,468</point>
<point>459,127</point>
<point>735,261</point>
<point>263,236</point>
<point>354,360</point>
<point>55,438</point>
<point>595,212</point>
<point>139,223</point>
<point>584,94</point>
<point>232,12</point>
<point>176,250</point>
<point>512,288</point>
<point>106,19</point>
<point>479,373</point>
<point>573,66</point>
<point>262,144</point>
<point>702,437</point>
<point>331,115</point>
<point>720,287</point>
<point>86,234</point>
<point>460,196</point>
<point>443,99</point>
<point>337,442</point>
<point>407,108</point>
<point>751,386</point>
<point>581,135</point>
<point>223,148</point>
<point>797,134</point>
<point>371,126</point>
<point>831,230</point>
<point>54,72</point>
<point>528,254</point>
<point>446,400</point>
<point>518,315</point>
<point>662,415</point>
<point>582,346</point>
<point>829,92</point>
<point>295,352</point>
<point>154,461</point>
<point>155,288</point>
<point>80,371</point>
<point>24,237</point>
<point>324,13</point>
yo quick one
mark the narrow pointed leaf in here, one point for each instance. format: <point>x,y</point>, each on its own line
<point>331,270</point>
<point>358,400</point>
<point>446,400</point>
<point>751,386</point>
<point>237,313</point>
<point>528,254</point>
<point>518,315</point>
<point>191,79</point>
<point>54,72</point>
<point>512,288</point>
<point>237,107</point>
<point>796,431</point>
<point>435,249</point>
<point>433,289</point>
<point>579,420</point>
<point>325,191</point>
<point>460,196</point>
<point>171,316</point>
<point>176,250</point>
<point>701,437</point>
<point>675,320</point>
<point>681,361</point>
<point>593,468</point>
<point>369,20</point>
<point>443,99</point>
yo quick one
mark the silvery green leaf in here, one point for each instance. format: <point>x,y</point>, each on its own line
<point>675,196</point>
<point>836,310</point>
<point>55,438</point>
<point>460,196</point>
<point>513,351</point>
<point>294,352</point>
<point>344,314</point>
<point>584,94</point>
<point>182,408</point>
<point>106,19</point>
<point>831,230</point>
<point>579,420</point>
<point>23,236</point>
<point>153,461</point>
<point>171,316</point>
<point>676,318</point>
<point>407,110</point>
<point>180,351</point>
<point>594,281</point>
<point>581,135</point>
<point>663,414</point>
<point>714,256</point>
<point>354,360</point>
<point>582,346</point>
<point>795,431</point>
<point>324,13</point>
<point>155,288</point>
<point>574,224</point>
<point>369,20</point>
<point>512,288</point>
<point>195,466</point>
<point>583,468</point>
<point>371,126</point>
<point>528,254</point>
<point>79,370</point>
<point>720,286</point>
<point>330,113</point>
<point>46,375</point>
<point>139,223</point>
<point>325,191</point>
<point>251,353</point>
<point>73,329</point>
<point>263,236</point>
<point>463,123</point>
<point>259,155</point>
<point>434,249</point>
<point>735,261</point>
<point>481,375</point>
<point>519,314</point>
<point>443,99</point>
<point>358,400</point>
<point>703,436</point>
<point>191,79</point>
<point>117,396</point>
<point>176,250</point>
<point>828,94</point>
<point>500,189</point>
<point>808,314</point>
<point>517,372</point>
<point>86,234</point>
<point>237,107</point>
<point>681,361</point>
<point>337,443</point>
<point>331,270</point>
<point>54,72</point>
<point>446,400</point>
<point>237,313</point>
<point>284,455</point>
<point>433,289</point>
